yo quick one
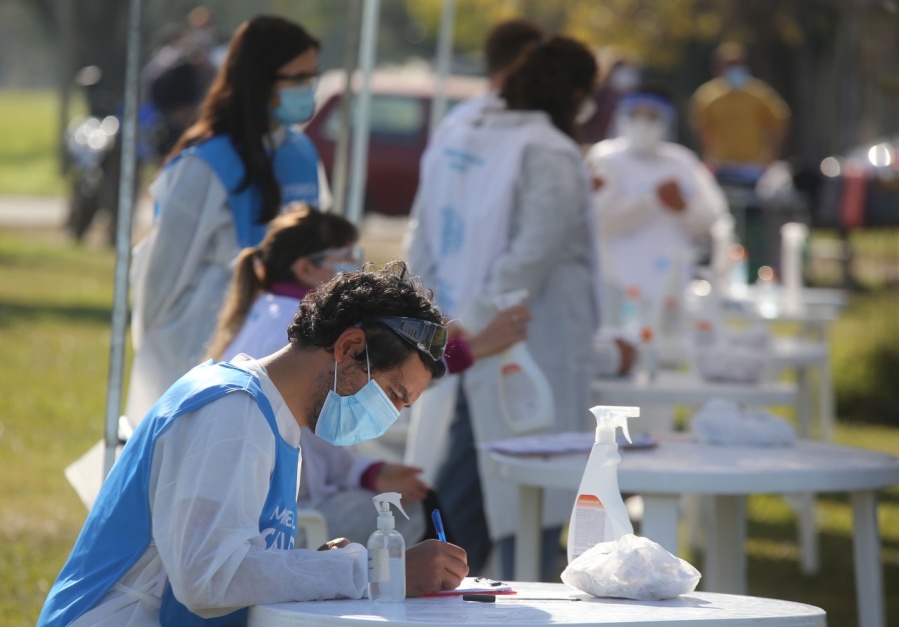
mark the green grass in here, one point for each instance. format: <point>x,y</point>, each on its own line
<point>54,336</point>
<point>29,127</point>
<point>55,304</point>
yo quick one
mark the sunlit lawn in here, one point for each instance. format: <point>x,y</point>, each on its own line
<point>54,350</point>
<point>55,306</point>
<point>29,128</point>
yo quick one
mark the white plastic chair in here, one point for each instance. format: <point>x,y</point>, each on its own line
<point>314,526</point>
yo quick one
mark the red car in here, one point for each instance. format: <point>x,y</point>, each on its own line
<point>400,119</point>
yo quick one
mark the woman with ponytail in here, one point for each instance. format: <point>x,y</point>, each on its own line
<point>302,249</point>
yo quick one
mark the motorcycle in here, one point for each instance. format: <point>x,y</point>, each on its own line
<point>91,149</point>
<point>94,156</point>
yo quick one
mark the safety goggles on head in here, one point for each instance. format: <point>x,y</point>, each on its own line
<point>348,254</point>
<point>428,337</point>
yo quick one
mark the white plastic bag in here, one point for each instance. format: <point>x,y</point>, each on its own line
<point>631,568</point>
<point>724,423</point>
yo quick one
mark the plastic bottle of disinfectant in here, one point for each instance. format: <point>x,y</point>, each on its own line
<point>525,396</point>
<point>387,553</point>
<point>599,514</point>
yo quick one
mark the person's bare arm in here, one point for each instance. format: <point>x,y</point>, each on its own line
<point>507,327</point>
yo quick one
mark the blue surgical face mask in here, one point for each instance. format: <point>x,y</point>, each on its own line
<point>737,76</point>
<point>365,415</point>
<point>297,104</point>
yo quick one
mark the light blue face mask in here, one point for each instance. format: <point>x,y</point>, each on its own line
<point>297,104</point>
<point>737,76</point>
<point>365,415</point>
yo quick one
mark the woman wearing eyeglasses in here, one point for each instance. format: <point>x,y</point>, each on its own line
<point>302,250</point>
<point>224,181</point>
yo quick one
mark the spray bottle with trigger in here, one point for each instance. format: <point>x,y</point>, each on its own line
<point>526,399</point>
<point>387,553</point>
<point>599,514</point>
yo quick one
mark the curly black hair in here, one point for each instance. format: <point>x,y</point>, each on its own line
<point>354,298</point>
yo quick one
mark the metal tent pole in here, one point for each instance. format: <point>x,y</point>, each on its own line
<point>444,58</point>
<point>351,58</point>
<point>361,129</point>
<point>123,237</point>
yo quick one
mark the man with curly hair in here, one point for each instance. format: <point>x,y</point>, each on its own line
<point>197,518</point>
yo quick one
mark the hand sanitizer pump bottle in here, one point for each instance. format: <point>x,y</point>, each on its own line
<point>599,514</point>
<point>525,396</point>
<point>387,554</point>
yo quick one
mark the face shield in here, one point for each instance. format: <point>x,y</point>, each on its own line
<point>645,120</point>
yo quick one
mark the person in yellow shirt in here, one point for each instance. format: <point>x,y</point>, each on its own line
<point>740,120</point>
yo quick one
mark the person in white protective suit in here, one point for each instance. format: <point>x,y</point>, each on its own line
<point>654,199</point>
<point>196,520</point>
<point>503,205</point>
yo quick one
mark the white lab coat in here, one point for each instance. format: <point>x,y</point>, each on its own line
<point>180,275</point>
<point>208,483</point>
<point>549,251</point>
<point>640,236</point>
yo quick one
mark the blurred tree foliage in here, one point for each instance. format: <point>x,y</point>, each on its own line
<point>657,31</point>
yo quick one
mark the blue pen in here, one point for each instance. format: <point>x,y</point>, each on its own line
<point>438,525</point>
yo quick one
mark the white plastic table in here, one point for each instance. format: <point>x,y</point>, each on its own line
<point>798,354</point>
<point>679,388</point>
<point>802,355</point>
<point>812,298</point>
<point>698,609</point>
<point>728,474</point>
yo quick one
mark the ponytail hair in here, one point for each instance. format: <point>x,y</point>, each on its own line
<point>298,232</point>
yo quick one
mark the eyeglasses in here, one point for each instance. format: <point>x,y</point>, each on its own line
<point>300,78</point>
<point>428,337</point>
<point>351,254</point>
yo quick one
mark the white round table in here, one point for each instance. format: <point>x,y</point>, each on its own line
<point>798,354</point>
<point>802,355</point>
<point>677,388</point>
<point>698,609</point>
<point>810,298</point>
<point>728,474</point>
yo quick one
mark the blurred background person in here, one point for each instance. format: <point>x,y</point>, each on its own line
<point>505,44</point>
<point>619,73</point>
<point>504,206</point>
<point>741,123</point>
<point>225,179</point>
<point>739,119</point>
<point>655,201</point>
<point>179,74</point>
